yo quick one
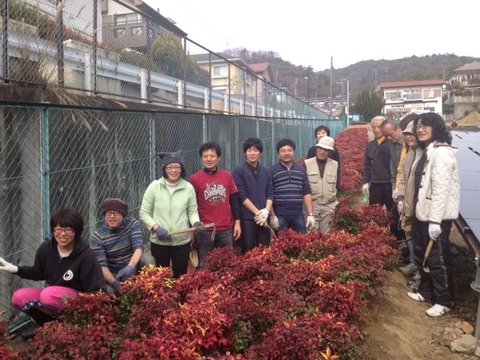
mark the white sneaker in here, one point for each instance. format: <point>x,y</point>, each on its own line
<point>409,269</point>
<point>416,296</point>
<point>437,310</point>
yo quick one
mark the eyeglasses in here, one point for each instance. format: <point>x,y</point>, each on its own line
<point>67,230</point>
<point>421,126</point>
<point>173,167</point>
<point>112,213</point>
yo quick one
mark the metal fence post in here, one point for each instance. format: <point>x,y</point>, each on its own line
<point>46,173</point>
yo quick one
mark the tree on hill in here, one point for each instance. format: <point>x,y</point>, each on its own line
<point>368,104</point>
<point>168,55</point>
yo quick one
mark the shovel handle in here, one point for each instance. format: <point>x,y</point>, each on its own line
<point>191,229</point>
<point>427,253</point>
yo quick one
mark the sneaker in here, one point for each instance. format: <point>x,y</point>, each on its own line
<point>416,296</point>
<point>437,310</point>
<point>416,277</point>
<point>413,284</point>
<point>409,269</point>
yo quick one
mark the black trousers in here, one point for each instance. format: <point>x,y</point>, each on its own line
<point>253,235</point>
<point>381,194</point>
<point>437,285</point>
<point>176,255</point>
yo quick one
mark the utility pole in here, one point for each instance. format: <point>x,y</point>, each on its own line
<point>347,109</point>
<point>331,85</point>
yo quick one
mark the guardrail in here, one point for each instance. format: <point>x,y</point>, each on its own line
<point>81,61</point>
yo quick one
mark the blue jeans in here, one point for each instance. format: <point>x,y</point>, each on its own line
<point>294,222</point>
<point>253,235</point>
<point>205,244</point>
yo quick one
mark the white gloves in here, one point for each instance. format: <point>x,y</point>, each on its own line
<point>434,230</point>
<point>400,207</point>
<point>274,223</point>
<point>366,188</point>
<point>394,194</point>
<point>6,266</point>
<point>261,217</point>
<point>310,224</point>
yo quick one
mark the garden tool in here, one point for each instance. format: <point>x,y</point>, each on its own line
<point>427,253</point>
<point>193,229</point>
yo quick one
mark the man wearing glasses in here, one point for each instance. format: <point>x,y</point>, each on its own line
<point>118,245</point>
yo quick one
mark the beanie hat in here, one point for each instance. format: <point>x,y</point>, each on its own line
<point>172,157</point>
<point>114,204</point>
<point>325,142</point>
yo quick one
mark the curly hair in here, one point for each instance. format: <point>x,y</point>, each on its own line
<point>440,132</point>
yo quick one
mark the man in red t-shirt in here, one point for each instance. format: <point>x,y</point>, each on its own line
<point>217,202</point>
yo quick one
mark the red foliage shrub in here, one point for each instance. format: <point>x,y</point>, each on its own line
<point>301,298</point>
<point>6,352</point>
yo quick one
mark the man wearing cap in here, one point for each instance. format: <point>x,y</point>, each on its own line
<point>324,178</point>
<point>118,245</point>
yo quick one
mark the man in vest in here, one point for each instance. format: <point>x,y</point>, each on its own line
<point>324,178</point>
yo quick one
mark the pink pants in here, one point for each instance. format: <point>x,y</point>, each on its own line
<point>51,297</point>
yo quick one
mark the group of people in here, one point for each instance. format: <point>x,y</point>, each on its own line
<point>246,205</point>
<point>413,172</point>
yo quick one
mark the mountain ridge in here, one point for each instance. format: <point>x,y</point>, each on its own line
<point>361,75</point>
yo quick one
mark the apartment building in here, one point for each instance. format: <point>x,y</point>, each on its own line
<point>412,96</point>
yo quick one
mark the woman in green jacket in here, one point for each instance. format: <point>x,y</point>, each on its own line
<point>169,204</point>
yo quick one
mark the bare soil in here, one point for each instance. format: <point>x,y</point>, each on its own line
<point>399,328</point>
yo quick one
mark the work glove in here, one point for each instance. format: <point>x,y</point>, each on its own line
<point>6,266</point>
<point>162,233</point>
<point>400,207</point>
<point>199,226</point>
<point>434,231</point>
<point>261,217</point>
<point>274,223</point>
<point>117,287</point>
<point>125,273</point>
<point>394,194</point>
<point>366,188</point>
<point>310,224</point>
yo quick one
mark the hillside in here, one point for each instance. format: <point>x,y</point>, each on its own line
<point>364,74</point>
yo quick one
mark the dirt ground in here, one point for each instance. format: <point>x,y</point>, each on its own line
<point>399,328</point>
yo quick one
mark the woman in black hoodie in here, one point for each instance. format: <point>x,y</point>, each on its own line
<point>67,265</point>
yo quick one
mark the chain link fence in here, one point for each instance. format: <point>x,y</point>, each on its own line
<point>53,158</point>
<point>127,50</point>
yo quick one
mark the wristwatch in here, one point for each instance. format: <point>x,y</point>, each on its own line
<point>311,214</point>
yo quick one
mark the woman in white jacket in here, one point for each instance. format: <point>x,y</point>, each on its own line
<point>437,202</point>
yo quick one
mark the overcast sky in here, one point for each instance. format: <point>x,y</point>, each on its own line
<point>309,32</point>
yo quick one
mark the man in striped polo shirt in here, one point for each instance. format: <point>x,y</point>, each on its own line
<point>291,190</point>
<point>118,245</point>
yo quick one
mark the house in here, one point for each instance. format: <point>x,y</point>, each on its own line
<point>229,75</point>
<point>412,96</point>
<point>132,24</point>
<point>262,71</point>
<point>464,89</point>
